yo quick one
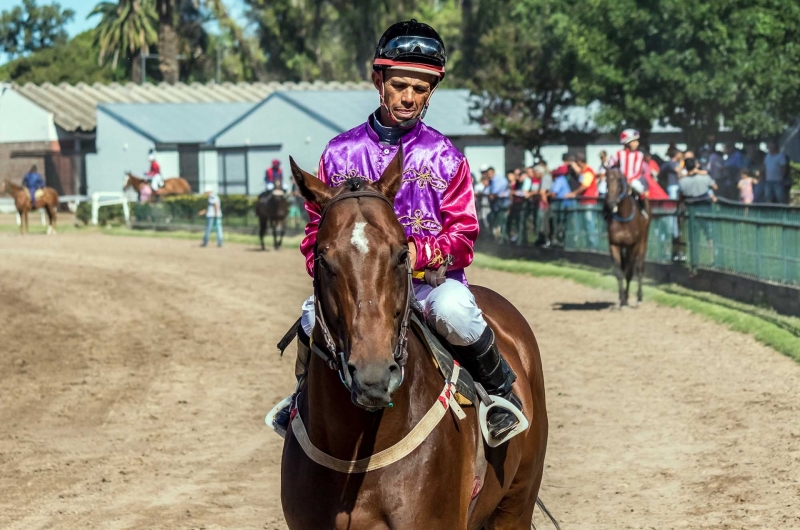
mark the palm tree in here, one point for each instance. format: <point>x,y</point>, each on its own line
<point>126,27</point>
<point>167,41</point>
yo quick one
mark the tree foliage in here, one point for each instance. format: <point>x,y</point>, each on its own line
<point>127,28</point>
<point>30,27</point>
<point>72,62</point>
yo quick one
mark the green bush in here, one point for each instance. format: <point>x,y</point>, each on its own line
<point>187,206</point>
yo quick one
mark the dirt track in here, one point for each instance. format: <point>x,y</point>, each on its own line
<point>135,374</point>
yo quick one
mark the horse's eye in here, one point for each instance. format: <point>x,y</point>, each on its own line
<point>322,263</point>
<point>402,258</point>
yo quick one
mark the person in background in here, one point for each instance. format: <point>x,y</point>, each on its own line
<point>481,191</point>
<point>651,164</point>
<point>499,201</point>
<point>602,184</point>
<point>736,157</point>
<point>630,162</point>
<point>520,190</point>
<point>273,177</point>
<point>535,178</point>
<point>697,184</point>
<point>543,220</point>
<point>775,165</point>
<point>213,213</point>
<point>746,185</point>
<point>669,172</point>
<point>587,192</point>
<point>154,173</point>
<point>715,164</point>
<point>34,182</point>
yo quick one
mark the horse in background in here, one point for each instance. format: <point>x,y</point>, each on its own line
<point>628,231</point>
<point>272,207</point>
<point>47,199</point>
<point>172,185</point>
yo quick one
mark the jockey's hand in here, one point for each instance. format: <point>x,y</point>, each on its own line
<point>412,253</point>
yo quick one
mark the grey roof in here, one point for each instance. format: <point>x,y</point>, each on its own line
<point>448,113</point>
<point>170,123</point>
<point>73,106</point>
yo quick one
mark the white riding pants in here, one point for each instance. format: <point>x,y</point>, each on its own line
<point>638,186</point>
<point>450,309</point>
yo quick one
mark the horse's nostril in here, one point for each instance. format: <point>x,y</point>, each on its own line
<point>394,368</point>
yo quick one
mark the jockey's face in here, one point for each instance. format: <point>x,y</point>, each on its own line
<point>634,145</point>
<point>405,93</point>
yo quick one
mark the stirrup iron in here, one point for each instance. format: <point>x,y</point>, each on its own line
<point>498,402</point>
<point>270,417</point>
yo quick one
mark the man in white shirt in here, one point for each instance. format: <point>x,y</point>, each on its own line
<point>213,213</point>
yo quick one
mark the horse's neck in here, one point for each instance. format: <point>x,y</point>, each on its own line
<point>136,183</point>
<point>339,428</point>
<point>626,206</point>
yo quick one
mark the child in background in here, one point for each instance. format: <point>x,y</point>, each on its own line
<point>746,184</point>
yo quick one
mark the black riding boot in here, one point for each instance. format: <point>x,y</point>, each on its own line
<point>283,417</point>
<point>484,362</point>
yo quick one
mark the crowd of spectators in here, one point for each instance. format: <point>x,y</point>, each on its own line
<point>510,206</point>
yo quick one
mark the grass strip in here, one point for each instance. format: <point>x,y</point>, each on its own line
<point>773,331</point>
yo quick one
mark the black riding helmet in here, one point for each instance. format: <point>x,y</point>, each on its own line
<point>411,45</point>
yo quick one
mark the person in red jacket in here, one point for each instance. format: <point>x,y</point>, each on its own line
<point>154,173</point>
<point>587,192</point>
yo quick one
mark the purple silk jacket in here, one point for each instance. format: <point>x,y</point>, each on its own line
<point>435,204</point>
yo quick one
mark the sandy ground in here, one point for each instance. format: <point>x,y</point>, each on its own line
<point>135,374</point>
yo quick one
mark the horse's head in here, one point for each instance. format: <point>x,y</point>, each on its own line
<point>128,182</point>
<point>362,281</point>
<point>617,188</point>
<point>3,186</point>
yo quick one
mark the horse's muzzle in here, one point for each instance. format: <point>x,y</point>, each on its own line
<point>374,383</point>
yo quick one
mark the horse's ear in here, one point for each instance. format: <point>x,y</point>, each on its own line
<point>392,178</point>
<point>310,187</point>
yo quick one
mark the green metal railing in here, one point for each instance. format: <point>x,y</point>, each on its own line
<point>757,241</point>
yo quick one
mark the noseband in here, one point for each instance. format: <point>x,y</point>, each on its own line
<point>335,357</point>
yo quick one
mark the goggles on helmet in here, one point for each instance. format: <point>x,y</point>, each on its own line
<point>407,45</point>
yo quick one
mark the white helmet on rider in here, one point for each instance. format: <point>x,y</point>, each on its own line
<point>628,135</point>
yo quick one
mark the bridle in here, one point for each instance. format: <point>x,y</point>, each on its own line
<point>622,196</point>
<point>335,357</point>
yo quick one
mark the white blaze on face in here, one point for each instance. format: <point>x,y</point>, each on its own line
<point>359,238</point>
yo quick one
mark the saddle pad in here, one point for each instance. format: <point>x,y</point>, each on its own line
<point>465,387</point>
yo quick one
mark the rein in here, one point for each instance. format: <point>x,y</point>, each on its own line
<point>334,356</point>
<point>624,195</point>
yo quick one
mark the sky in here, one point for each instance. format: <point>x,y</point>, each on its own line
<point>82,9</point>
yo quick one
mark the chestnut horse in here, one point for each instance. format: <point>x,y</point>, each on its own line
<point>452,479</point>
<point>22,201</point>
<point>273,208</point>
<point>628,230</point>
<point>172,186</point>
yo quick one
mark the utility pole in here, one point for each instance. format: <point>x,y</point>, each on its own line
<point>219,65</point>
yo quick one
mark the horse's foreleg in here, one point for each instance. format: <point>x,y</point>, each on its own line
<point>616,257</point>
<point>274,226</point>
<point>640,271</point>
<point>262,230</point>
<point>631,259</point>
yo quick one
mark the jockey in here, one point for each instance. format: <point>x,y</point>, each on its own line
<point>435,205</point>
<point>273,177</point>
<point>154,173</point>
<point>34,182</point>
<point>630,161</point>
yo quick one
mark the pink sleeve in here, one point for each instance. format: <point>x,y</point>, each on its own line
<point>307,246</point>
<point>459,226</point>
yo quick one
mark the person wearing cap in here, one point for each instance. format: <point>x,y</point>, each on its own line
<point>154,173</point>
<point>213,213</point>
<point>435,206</point>
<point>630,162</point>
<point>273,177</point>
